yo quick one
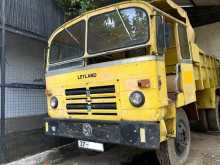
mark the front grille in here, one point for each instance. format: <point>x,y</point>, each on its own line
<point>83,101</point>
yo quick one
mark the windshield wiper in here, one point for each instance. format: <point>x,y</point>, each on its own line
<point>72,36</point>
<point>126,29</point>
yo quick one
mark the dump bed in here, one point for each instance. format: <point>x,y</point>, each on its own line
<point>206,69</point>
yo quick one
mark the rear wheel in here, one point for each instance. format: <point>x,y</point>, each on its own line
<point>213,116</point>
<point>176,151</point>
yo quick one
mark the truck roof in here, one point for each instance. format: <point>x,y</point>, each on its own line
<point>171,8</point>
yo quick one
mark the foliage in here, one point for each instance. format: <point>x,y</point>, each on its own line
<point>75,7</point>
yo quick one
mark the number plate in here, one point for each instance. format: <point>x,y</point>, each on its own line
<point>91,145</point>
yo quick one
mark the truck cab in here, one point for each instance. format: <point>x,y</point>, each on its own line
<point>122,75</point>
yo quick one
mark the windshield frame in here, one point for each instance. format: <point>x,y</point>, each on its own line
<point>66,30</point>
<point>85,17</point>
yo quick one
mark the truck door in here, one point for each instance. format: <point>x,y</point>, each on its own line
<point>185,65</point>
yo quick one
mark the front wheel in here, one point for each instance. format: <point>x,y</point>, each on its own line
<point>176,151</point>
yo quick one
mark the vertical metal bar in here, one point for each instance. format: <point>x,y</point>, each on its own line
<point>3,84</point>
<point>3,71</point>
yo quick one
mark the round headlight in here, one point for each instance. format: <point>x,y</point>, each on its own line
<point>137,99</point>
<point>54,102</point>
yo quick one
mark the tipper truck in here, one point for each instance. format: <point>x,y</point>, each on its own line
<point>131,74</point>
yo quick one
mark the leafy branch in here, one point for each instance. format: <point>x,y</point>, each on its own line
<point>73,8</point>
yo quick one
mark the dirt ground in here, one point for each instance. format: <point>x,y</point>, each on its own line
<point>205,150</point>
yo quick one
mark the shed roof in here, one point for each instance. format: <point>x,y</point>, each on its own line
<point>38,17</point>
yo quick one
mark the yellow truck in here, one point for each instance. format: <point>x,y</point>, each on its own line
<point>131,74</point>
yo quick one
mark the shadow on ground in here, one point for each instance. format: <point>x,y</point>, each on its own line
<point>145,158</point>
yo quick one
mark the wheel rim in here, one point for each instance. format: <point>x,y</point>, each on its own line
<point>182,138</point>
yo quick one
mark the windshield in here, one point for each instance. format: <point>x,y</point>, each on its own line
<point>117,29</point>
<point>121,28</point>
<point>68,44</point>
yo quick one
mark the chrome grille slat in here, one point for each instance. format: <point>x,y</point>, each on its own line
<point>99,114</point>
<point>104,97</point>
<point>78,98</point>
<point>104,106</point>
<point>78,91</point>
<point>102,89</point>
<point>77,113</point>
<point>76,106</point>
<point>97,106</point>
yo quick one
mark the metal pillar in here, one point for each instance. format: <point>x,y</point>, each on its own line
<point>3,147</point>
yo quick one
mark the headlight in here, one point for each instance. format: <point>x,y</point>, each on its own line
<point>137,99</point>
<point>54,102</point>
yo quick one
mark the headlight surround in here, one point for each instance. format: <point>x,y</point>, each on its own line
<point>137,98</point>
<point>54,102</point>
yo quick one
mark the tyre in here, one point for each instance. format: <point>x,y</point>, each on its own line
<point>213,116</point>
<point>175,151</point>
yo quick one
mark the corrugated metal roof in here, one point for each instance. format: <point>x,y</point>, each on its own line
<point>40,17</point>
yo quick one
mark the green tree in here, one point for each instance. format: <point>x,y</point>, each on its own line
<point>73,8</point>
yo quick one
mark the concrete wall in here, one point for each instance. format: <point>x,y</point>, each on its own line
<point>208,38</point>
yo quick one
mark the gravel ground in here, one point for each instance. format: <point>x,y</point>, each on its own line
<point>205,150</point>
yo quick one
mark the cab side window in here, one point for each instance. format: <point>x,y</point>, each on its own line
<point>169,35</point>
<point>160,35</point>
<point>184,42</point>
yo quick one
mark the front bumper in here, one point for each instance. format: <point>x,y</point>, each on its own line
<point>144,135</point>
